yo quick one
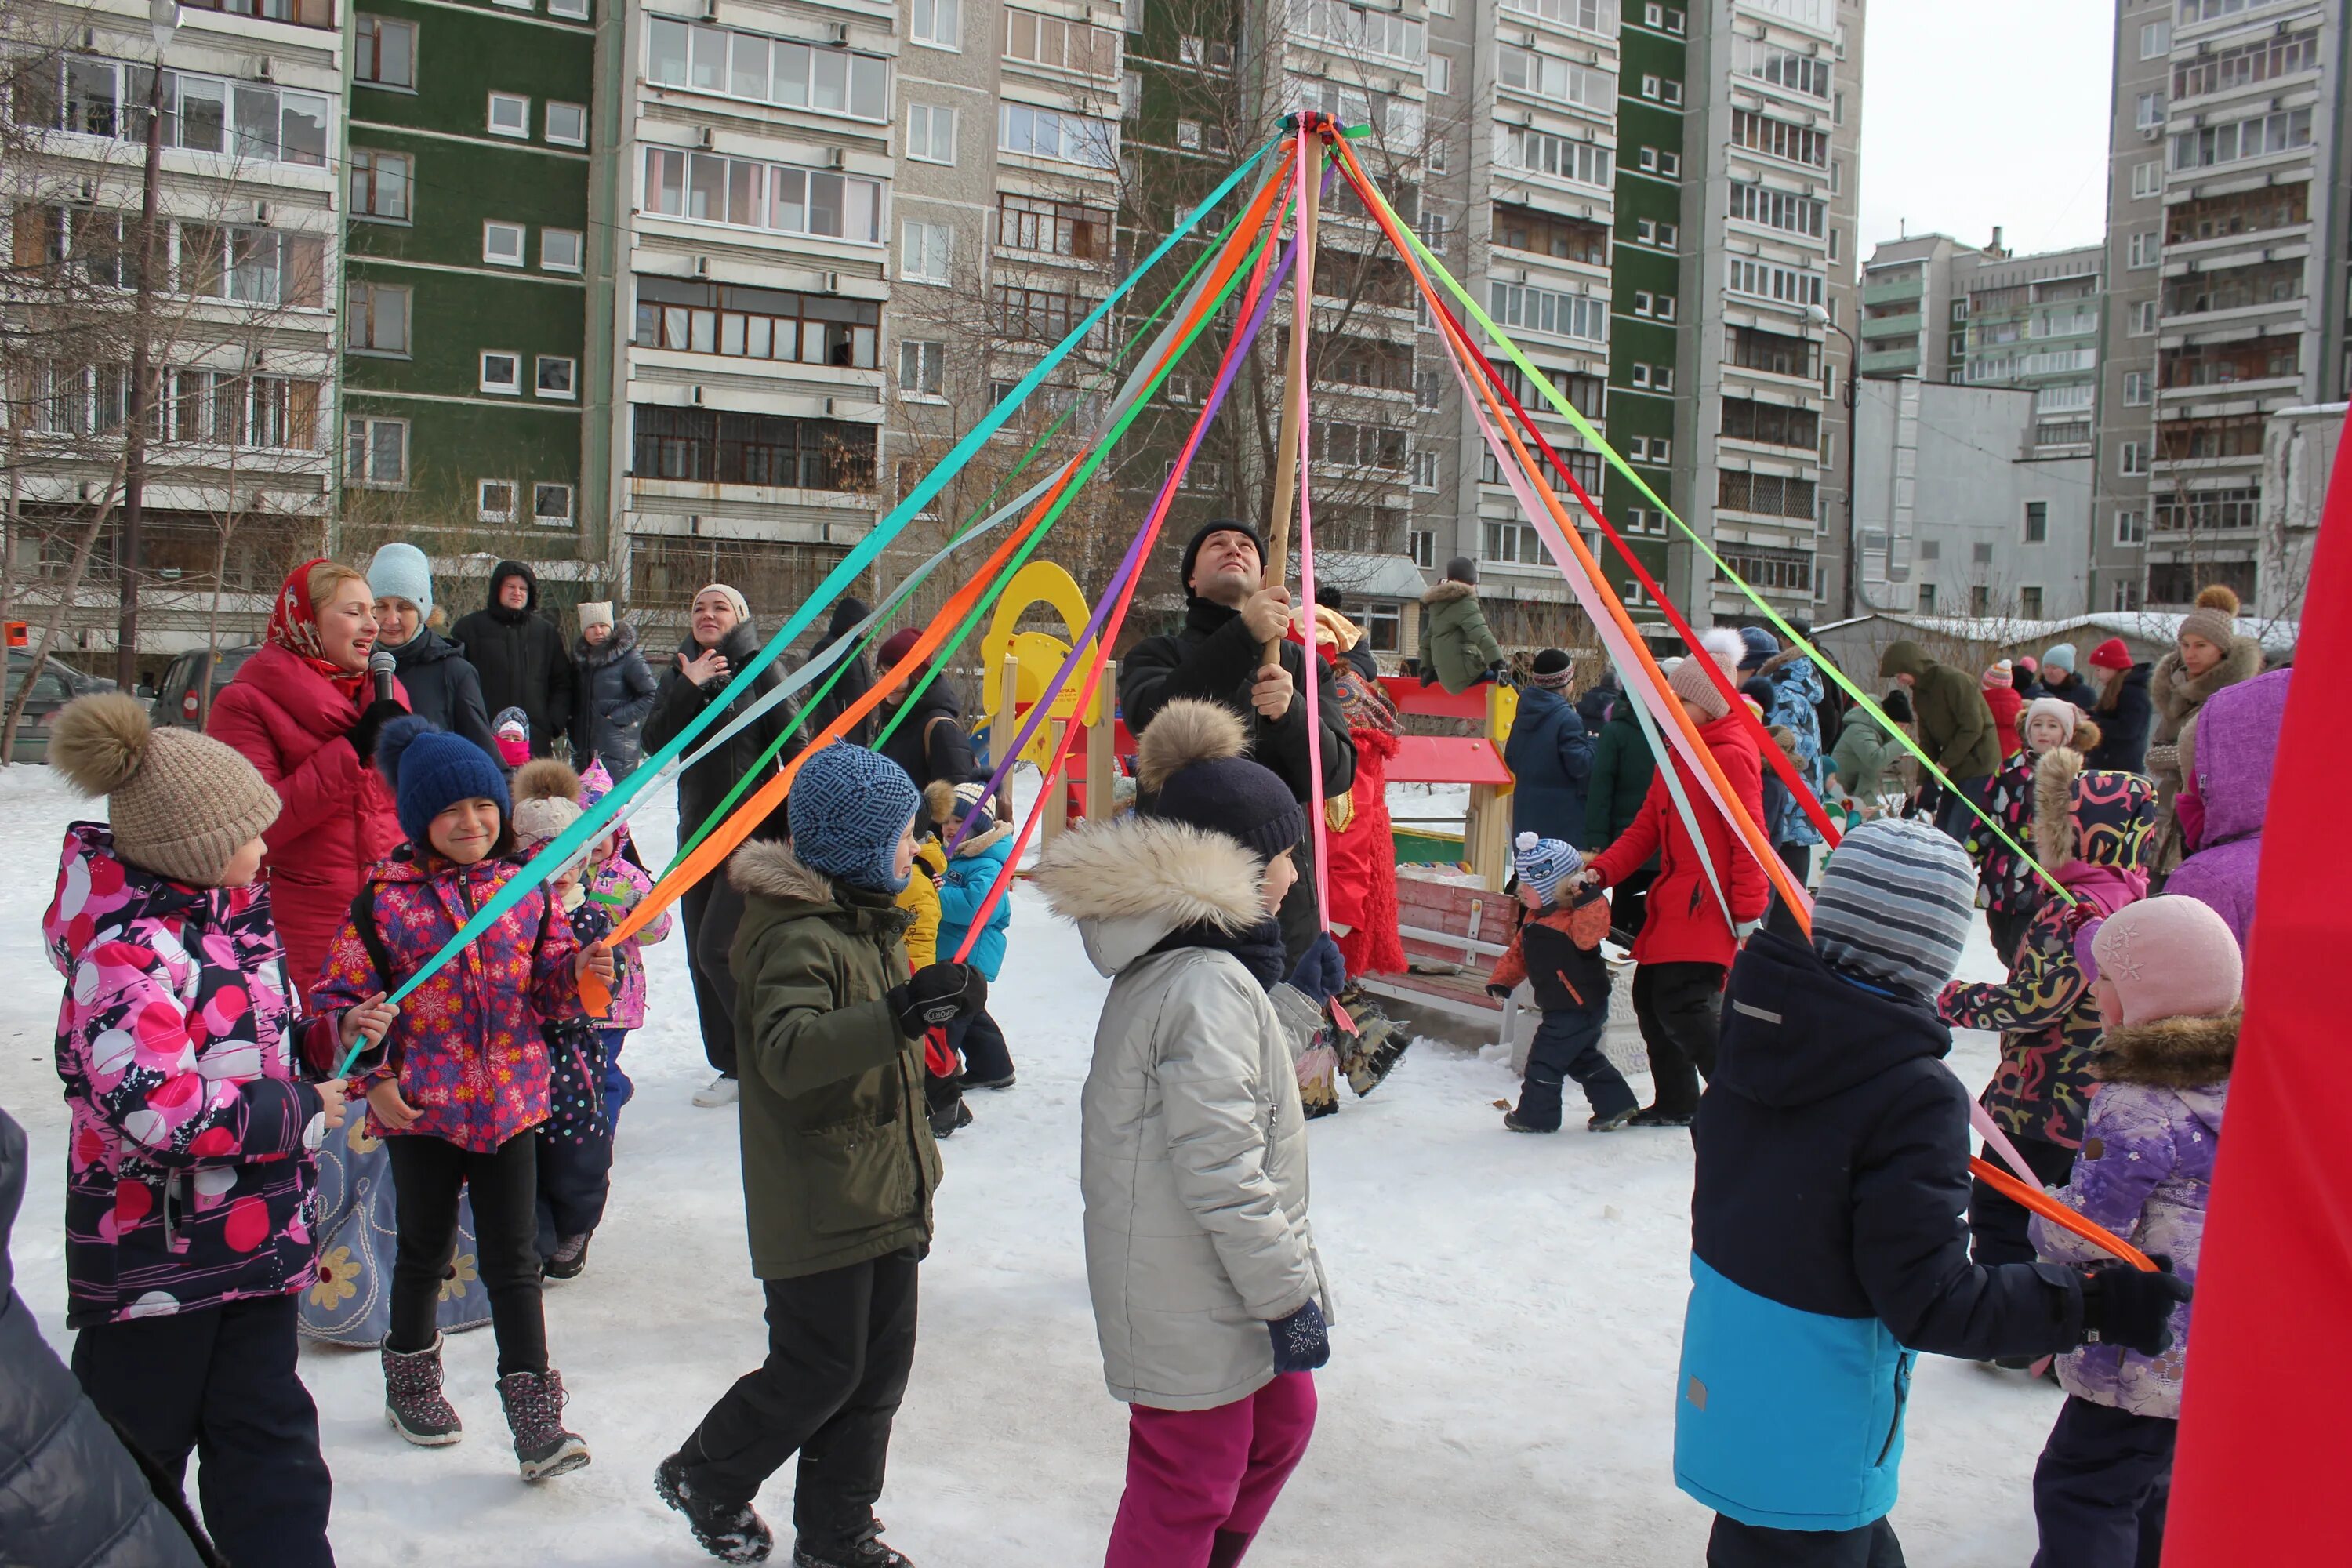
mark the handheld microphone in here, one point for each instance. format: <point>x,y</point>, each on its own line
<point>381,664</point>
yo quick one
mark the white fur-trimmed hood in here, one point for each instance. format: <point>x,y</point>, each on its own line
<point>1131,881</point>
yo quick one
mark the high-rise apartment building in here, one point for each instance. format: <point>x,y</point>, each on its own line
<point>1914,305</point>
<point>2033,322</point>
<point>2226,233</point>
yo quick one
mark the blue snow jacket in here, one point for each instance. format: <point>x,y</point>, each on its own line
<point>1549,753</point>
<point>1828,1247</point>
<point>968,879</point>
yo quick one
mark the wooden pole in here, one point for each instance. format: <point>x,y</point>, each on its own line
<point>1294,403</point>
<point>1102,744</point>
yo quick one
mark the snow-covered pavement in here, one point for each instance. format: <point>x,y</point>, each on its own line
<point>1501,1387</point>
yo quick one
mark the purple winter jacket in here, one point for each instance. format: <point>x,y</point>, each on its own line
<point>2237,737</point>
<point>2145,1172</point>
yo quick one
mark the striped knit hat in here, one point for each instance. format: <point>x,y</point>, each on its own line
<point>1895,904</point>
<point>1545,863</point>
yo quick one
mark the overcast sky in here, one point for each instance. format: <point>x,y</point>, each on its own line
<point>1992,112</point>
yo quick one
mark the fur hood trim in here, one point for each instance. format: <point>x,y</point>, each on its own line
<point>1149,868</point>
<point>2179,694</point>
<point>1186,731</point>
<point>2170,1053</point>
<point>1447,590</point>
<point>767,869</point>
<point>2053,806</point>
<point>1781,661</point>
<point>2088,735</point>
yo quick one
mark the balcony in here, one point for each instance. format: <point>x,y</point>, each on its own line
<point>1906,325</point>
<point>1895,292</point>
<point>1890,362</point>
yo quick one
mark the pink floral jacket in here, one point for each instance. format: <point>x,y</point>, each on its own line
<point>617,888</point>
<point>465,1049</point>
<point>189,1177</point>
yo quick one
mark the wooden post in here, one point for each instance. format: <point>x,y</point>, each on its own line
<point>1294,403</point>
<point>1487,835</point>
<point>1057,799</point>
<point>1102,746</point>
<point>1006,725</point>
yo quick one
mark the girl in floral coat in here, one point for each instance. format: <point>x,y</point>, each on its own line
<point>617,885</point>
<point>190,1181</point>
<point>2091,832</point>
<point>2011,892</point>
<point>457,1081</point>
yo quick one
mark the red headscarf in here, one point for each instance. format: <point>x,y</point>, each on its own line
<point>294,626</point>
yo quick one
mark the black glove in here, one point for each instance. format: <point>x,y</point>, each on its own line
<point>371,720</point>
<point>1321,973</point>
<point>1428,676</point>
<point>937,994</point>
<point>1301,1341</point>
<point>2128,1306</point>
<point>1499,992</point>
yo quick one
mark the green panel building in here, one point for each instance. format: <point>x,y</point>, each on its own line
<point>1646,280</point>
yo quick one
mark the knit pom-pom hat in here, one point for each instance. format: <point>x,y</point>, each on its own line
<point>1188,767</point>
<point>1691,682</point>
<point>849,808</point>
<point>547,796</point>
<point>1545,863</point>
<point>1999,674</point>
<point>431,770</point>
<point>1725,646</point>
<point>2215,618</point>
<point>181,804</point>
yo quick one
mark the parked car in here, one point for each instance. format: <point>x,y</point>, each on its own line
<point>55,684</point>
<point>178,701</point>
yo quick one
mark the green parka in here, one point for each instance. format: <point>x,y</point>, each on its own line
<point>1955,727</point>
<point>1622,766</point>
<point>838,1161</point>
<point>1455,646</point>
<point>1864,753</point>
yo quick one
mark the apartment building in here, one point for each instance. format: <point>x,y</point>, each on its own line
<point>2034,321</point>
<point>1914,305</point>
<point>465,355</point>
<point>2227,227</point>
<point>240,325</point>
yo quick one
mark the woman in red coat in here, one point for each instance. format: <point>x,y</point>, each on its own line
<point>1363,890</point>
<point>301,709</point>
<point>1687,944</point>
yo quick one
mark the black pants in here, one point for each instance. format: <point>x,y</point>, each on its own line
<point>839,1347</point>
<point>572,1182</point>
<point>1798,858</point>
<point>425,1175</point>
<point>713,907</point>
<point>2101,1487</point>
<point>1953,816</point>
<point>221,1383</point>
<point>986,1058</point>
<point>1567,1048</point>
<point>1736,1545</point>
<point>2008,928</point>
<point>1997,1224</point>
<point>1629,902</point>
<point>1679,1008</point>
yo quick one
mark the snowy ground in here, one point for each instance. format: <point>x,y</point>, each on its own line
<point>1500,1391</point>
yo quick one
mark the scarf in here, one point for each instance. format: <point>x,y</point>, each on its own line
<point>1259,947</point>
<point>294,626</point>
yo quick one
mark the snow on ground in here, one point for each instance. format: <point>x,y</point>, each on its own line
<point>1501,1388</point>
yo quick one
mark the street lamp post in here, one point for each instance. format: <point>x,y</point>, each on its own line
<point>163,21</point>
<point>1820,318</point>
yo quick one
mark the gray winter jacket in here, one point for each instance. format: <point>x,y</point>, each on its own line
<point>1194,1151</point>
<point>71,1494</point>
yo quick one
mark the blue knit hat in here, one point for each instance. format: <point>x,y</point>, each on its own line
<point>1760,644</point>
<point>401,572</point>
<point>847,810</point>
<point>1545,863</point>
<point>431,770</point>
<point>1895,904</point>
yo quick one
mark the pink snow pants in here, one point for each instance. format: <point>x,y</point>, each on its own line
<point>1191,1473</point>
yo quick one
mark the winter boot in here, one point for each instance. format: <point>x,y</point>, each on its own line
<point>730,1532</point>
<point>413,1401</point>
<point>1609,1120</point>
<point>949,1118</point>
<point>570,1255</point>
<point>1655,1117</point>
<point>1538,1107</point>
<point>1319,1074</point>
<point>866,1552</point>
<point>1374,1049</point>
<point>534,1407</point>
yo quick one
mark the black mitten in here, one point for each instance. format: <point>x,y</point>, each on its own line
<point>1302,1342</point>
<point>937,994</point>
<point>2128,1306</point>
<point>371,720</point>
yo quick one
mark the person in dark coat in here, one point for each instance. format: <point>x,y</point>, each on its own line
<point>928,737</point>
<point>720,640</point>
<point>617,692</point>
<point>520,656</point>
<point>1549,753</point>
<point>1219,656</point>
<point>2059,679</point>
<point>853,682</point>
<point>77,1495</point>
<point>440,681</point>
<point>2125,709</point>
<point>1827,1249</point>
<point>1623,764</point>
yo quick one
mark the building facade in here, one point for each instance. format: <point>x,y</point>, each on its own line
<point>1914,305</point>
<point>2034,321</point>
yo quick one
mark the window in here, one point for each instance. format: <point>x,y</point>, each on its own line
<point>1665,307</point>
<point>922,369</point>
<point>251,265</point>
<point>557,377</point>
<point>1590,15</point>
<point>1439,155</point>
<point>1055,229</point>
<point>1542,154</point>
<point>2192,440</point>
<point>931,133</point>
<point>1778,139</point>
<point>1441,73</point>
<point>2242,139</point>
<point>706,446</point>
<point>375,318</point>
<point>934,22</point>
<point>1546,234</point>
<point>1355,29</point>
<point>566,124</point>
<point>1426,385</point>
<point>2143,319</point>
<point>509,115</point>
<point>2264,60</point>
<point>1673,94</point>
<point>925,250</point>
<point>1788,212</point>
<point>2131,528</point>
<point>560,249</point>
<point>1055,135</point>
<point>2149,111</point>
<point>1562,81</point>
<point>2240,212</point>
<point>1637,449</point>
<point>383,51</point>
<point>1926,598</point>
<point>1549,311</point>
<point>572,10</point>
<point>1669,235</point>
<point>1771,570</point>
<point>752,66</point>
<point>2125,595</point>
<point>90,96</point>
<point>1981,599</point>
<point>2037,522</point>
<point>2154,38</point>
<point>1424,470</point>
<point>1191,49</point>
<point>1650,86</point>
<point>1650,160</point>
<point>494,500</point>
<point>1662,449</point>
<point>2205,510</point>
<point>2132,457</point>
<point>2147,180</point>
<point>502,242</point>
<point>1062,45</point>
<point>757,323</point>
<point>1511,543</point>
<point>2145,249</point>
<point>1420,544</point>
<point>1434,228</point>
<point>1785,69</point>
<point>2135,383</point>
<point>1763,280</point>
<point>1767,424</point>
<point>502,372</point>
<point>1768,495</point>
<point>1384,627</point>
<point>380,183</point>
<point>375,453</point>
<point>550,505</point>
<point>745,193</point>
<point>2237,288</point>
<point>1642,302</point>
<point>1188,134</point>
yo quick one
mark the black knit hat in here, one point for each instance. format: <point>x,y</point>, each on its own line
<point>1220,525</point>
<point>1189,768</point>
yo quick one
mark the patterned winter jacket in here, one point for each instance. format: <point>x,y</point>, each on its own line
<point>2090,830</point>
<point>189,1179</point>
<point>2145,1172</point>
<point>1797,692</point>
<point>2011,887</point>
<point>617,888</point>
<point>465,1049</point>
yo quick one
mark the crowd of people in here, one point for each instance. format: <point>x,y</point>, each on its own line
<point>252,1112</point>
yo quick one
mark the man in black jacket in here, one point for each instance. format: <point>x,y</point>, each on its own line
<point>520,655</point>
<point>1219,656</point>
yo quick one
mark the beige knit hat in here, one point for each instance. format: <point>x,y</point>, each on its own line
<point>181,804</point>
<point>1690,683</point>
<point>546,800</point>
<point>596,613</point>
<point>2215,618</point>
